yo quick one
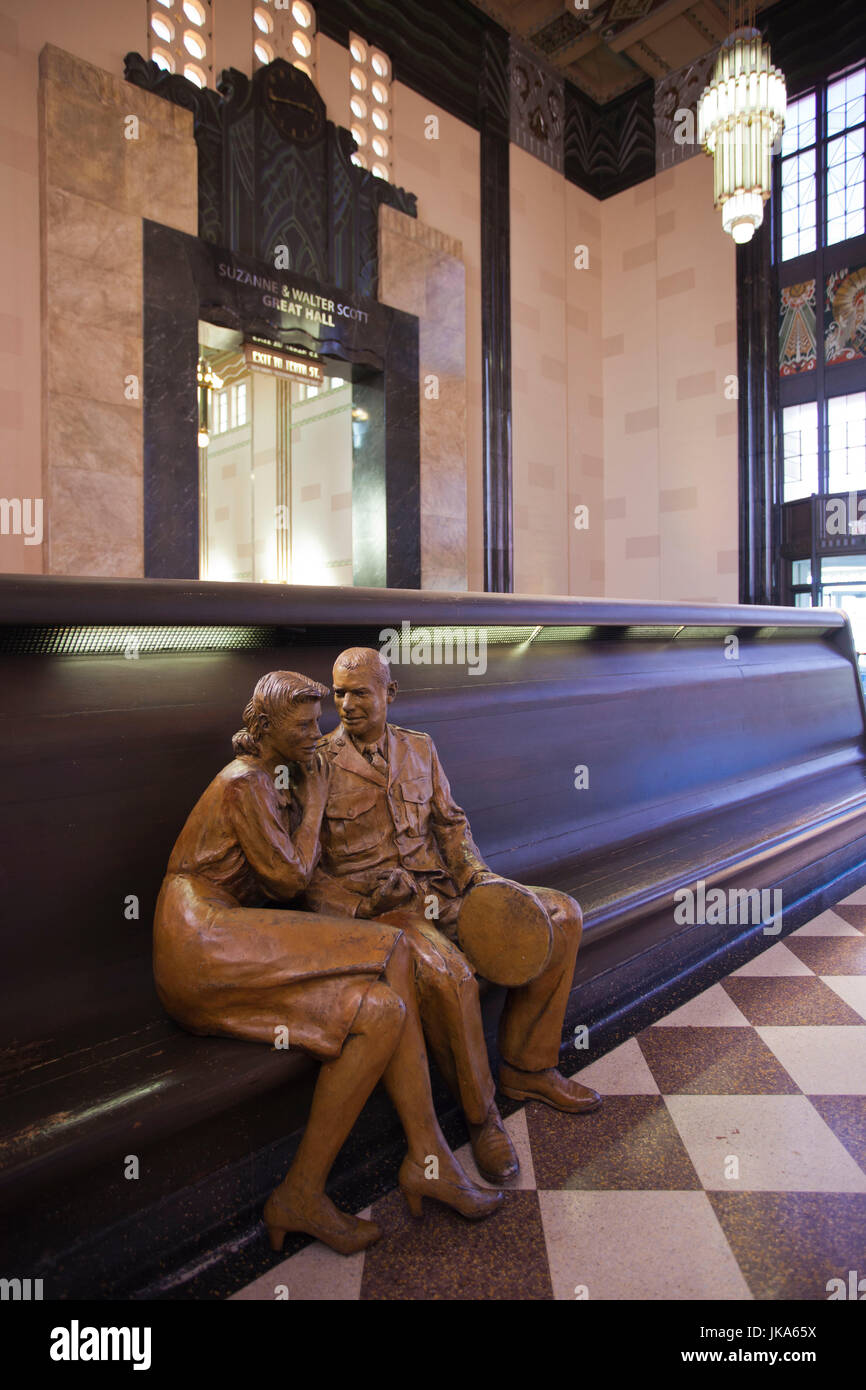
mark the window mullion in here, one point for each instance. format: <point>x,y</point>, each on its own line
<point>820,286</point>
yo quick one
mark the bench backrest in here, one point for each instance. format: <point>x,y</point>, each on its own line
<point>104,755</point>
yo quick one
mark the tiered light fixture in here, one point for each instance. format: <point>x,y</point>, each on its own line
<point>741,116</point>
<point>207,382</point>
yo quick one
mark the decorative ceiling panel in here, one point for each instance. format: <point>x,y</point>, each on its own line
<point>607,47</point>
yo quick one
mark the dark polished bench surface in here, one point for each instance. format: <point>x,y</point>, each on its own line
<point>747,772</point>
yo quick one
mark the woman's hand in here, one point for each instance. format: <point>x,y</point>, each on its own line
<point>313,783</point>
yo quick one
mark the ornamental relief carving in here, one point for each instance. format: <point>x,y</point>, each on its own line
<point>675,111</point>
<point>537,107</point>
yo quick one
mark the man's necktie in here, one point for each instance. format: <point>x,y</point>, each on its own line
<point>374,758</point>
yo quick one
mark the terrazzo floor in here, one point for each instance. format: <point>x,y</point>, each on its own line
<point>727,1162</point>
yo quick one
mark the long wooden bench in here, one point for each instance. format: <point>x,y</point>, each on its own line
<point>620,751</point>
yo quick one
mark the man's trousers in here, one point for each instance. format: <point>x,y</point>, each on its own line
<point>530,1028</point>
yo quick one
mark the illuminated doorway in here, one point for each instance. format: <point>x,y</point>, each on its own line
<point>275,473</point>
<point>841,583</point>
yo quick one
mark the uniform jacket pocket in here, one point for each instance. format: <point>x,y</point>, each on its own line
<point>354,822</point>
<point>417,797</point>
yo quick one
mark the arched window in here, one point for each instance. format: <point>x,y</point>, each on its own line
<point>370,106</point>
<point>180,38</point>
<point>286,31</point>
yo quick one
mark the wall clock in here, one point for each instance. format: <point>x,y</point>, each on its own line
<point>293,103</point>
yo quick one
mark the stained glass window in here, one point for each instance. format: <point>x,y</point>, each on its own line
<point>797,344</point>
<point>845,315</point>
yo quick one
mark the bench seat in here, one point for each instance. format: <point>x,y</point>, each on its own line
<point>746,774</point>
<point>67,1108</point>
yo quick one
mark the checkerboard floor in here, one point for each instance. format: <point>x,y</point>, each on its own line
<point>728,1160</point>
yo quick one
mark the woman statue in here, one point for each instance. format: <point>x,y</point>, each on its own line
<point>231,958</point>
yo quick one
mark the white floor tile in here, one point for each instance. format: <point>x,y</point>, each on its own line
<point>851,988</point>
<point>622,1072</point>
<point>822,1060</point>
<point>777,961</point>
<point>638,1245</point>
<point>315,1274</point>
<point>713,1009</point>
<point>828,924</point>
<point>780,1144</point>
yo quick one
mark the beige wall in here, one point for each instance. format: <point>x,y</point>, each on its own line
<point>620,370</point>
<point>669,351</point>
<point>539,376</point>
<point>230,550</point>
<point>557,438</point>
<point>332,79</point>
<point>322,489</point>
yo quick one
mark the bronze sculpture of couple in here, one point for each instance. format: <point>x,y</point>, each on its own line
<point>331,907</point>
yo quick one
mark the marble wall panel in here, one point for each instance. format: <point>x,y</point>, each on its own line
<point>421,271</point>
<point>110,155</point>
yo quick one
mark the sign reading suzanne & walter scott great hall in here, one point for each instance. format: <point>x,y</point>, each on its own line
<point>294,300</point>
<point>295,314</point>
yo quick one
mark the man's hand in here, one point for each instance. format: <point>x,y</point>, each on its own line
<point>482,876</point>
<point>394,888</point>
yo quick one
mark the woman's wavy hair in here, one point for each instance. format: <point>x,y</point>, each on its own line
<point>273,694</point>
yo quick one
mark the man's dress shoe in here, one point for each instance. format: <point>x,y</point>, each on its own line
<point>492,1149</point>
<point>550,1087</point>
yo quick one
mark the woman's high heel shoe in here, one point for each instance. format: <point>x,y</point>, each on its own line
<point>345,1234</point>
<point>472,1202</point>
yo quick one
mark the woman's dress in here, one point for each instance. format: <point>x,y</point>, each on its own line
<point>227,962</point>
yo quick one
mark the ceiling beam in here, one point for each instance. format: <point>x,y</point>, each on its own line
<point>529,14</point>
<point>644,28</point>
<point>645,57</point>
<point>711,15</point>
<point>720,9</point>
<point>578,49</point>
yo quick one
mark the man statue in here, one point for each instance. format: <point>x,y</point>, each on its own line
<point>396,847</point>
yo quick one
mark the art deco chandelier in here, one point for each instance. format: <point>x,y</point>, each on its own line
<point>741,116</point>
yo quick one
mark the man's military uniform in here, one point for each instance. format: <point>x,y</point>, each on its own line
<point>390,806</point>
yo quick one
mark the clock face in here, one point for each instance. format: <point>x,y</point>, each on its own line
<point>293,103</point>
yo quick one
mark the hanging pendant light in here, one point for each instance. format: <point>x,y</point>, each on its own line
<point>741,115</point>
<point>207,382</point>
